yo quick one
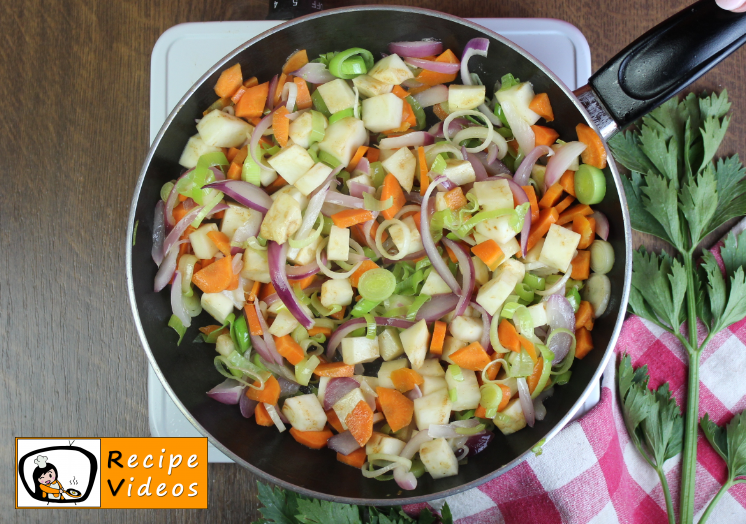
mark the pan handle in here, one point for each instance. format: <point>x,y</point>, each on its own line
<point>662,62</point>
<point>289,9</point>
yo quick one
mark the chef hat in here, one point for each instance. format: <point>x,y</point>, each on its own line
<point>41,461</point>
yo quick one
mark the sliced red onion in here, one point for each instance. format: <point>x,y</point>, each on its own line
<point>602,224</point>
<point>237,263</point>
<point>357,189</point>
<point>287,387</point>
<point>270,349</point>
<point>301,272</point>
<point>276,416</point>
<point>523,172</point>
<point>270,105</point>
<point>311,214</point>
<point>362,167</point>
<point>437,307</point>
<point>427,239</point>
<point>486,322</point>
<point>560,315</point>
<point>466,265</point>
<point>432,96</point>
<point>418,49</point>
<point>246,405</point>
<point>413,446</point>
<point>259,130</point>
<point>158,233</point>
<point>519,195</point>
<point>478,443</point>
<point>227,392</point>
<point>289,94</point>
<point>172,200</point>
<point>539,410</point>
<point>431,65</point>
<point>475,46</point>
<point>343,443</point>
<point>177,301</point>
<point>219,175</point>
<point>527,405</point>
<point>337,388</point>
<point>166,270</point>
<point>495,167</point>
<point>315,73</point>
<point>405,479</point>
<point>414,394</point>
<point>492,151</point>
<point>418,138</point>
<point>245,193</point>
<point>351,325</point>
<point>277,254</point>
<point>181,226</point>
<point>333,197</point>
<point>411,256</point>
<point>293,116</point>
<point>479,169</point>
<point>559,163</point>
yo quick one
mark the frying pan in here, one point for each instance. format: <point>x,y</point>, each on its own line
<point>645,74</point>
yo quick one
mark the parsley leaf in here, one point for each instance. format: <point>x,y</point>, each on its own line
<point>278,508</point>
<point>639,216</point>
<point>314,511</point>
<point>698,204</point>
<point>627,152</point>
<point>660,284</point>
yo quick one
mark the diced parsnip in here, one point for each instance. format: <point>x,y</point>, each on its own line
<point>337,95</point>
<point>520,95</point>
<point>313,178</point>
<point>359,350</point>
<point>237,295</point>
<point>459,172</point>
<point>462,97</point>
<point>389,344</point>
<point>292,192</point>
<point>305,413</point>
<point>323,382</point>
<point>384,372</point>
<point>305,255</point>
<point>371,383</point>
<point>291,163</point>
<point>224,345</point>
<point>415,340</point>
<point>217,305</point>
<point>438,458</point>
<point>451,345</point>
<point>220,129</point>
<point>337,291</point>
<point>385,153</point>
<point>402,165</point>
<point>534,253</point>
<point>434,408</point>
<point>338,247</point>
<point>510,419</point>
<point>493,194</point>
<point>255,266</point>
<point>391,70</point>
<point>301,128</point>
<point>432,384</point>
<point>382,112</point>
<point>282,220</point>
<point>559,247</point>
<point>538,314</point>
<point>369,86</point>
<point>284,324</point>
<point>497,229</point>
<point>435,285</point>
<point>195,148</point>
<point>267,176</point>
<point>481,271</point>
<point>360,179</point>
<point>381,443</point>
<point>440,201</point>
<point>398,236</point>
<point>237,216</point>
<point>575,164</point>
<point>468,312</point>
<point>509,248</point>
<point>346,404</point>
<point>431,368</point>
<point>343,138</point>
<point>468,329</point>
<point>203,247</point>
<point>492,295</point>
<point>467,390</point>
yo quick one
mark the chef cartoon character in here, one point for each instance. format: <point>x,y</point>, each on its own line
<point>45,479</point>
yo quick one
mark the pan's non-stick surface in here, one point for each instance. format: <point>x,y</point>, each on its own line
<point>188,371</point>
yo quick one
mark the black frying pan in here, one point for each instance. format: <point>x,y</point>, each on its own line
<point>652,69</point>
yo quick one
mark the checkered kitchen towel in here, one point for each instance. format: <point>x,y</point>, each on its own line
<point>603,479</point>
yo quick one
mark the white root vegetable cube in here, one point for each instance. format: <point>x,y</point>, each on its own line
<point>538,314</point>
<point>435,285</point>
<point>282,220</point>
<point>440,201</point>
<point>224,345</point>
<point>459,172</point>
<point>382,112</point>
<point>510,419</point>
<point>369,86</point>
<point>195,148</point>
<point>255,266</point>
<point>305,413</point>
<point>398,236</point>
<point>509,248</point>
<point>467,390</point>
<point>492,295</point>
<point>575,164</point>
<point>384,372</point>
<point>498,229</point>
<point>291,163</point>
<point>202,246</point>
<point>481,271</point>
<point>534,253</point>
<point>313,178</point>
<point>434,408</point>
<point>323,382</point>
<point>468,329</point>
<point>284,324</point>
<point>493,194</point>
<point>438,458</point>
<point>338,247</point>
<point>431,368</point>
<point>343,138</point>
<point>336,292</point>
<point>236,217</point>
<point>301,128</point>
<point>391,70</point>
<point>559,247</point>
<point>292,192</point>
<point>305,255</point>
<point>451,345</point>
<point>389,344</point>
<point>402,165</point>
<point>381,443</point>
<point>415,340</point>
<point>520,95</point>
<point>359,350</point>
<point>337,95</point>
<point>432,384</point>
<point>267,176</point>
<point>462,97</point>
<point>220,129</point>
<point>217,305</point>
<point>346,404</point>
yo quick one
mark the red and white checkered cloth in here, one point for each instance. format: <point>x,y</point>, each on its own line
<point>591,473</point>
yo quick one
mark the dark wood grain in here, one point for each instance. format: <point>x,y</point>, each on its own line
<point>74,119</point>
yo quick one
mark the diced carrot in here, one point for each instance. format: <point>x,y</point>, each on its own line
<point>595,154</point>
<point>539,228</point>
<point>582,226</point>
<point>422,163</point>
<point>406,379</point>
<point>367,265</point>
<point>551,197</point>
<point>312,439</point>
<point>531,194</point>
<point>277,95</point>
<point>541,106</point>
<point>216,277</point>
<point>356,459</point>
<point>290,349</point>
<point>234,283</point>
<point>581,265</point>
<point>219,215</point>
<point>281,125</point>
<point>451,255</point>
<point>567,181</point>
<point>533,379</point>
<point>339,315</point>
<point>303,283</point>
<point>570,214</point>
<point>527,345</point>
<point>373,154</point>
<point>231,154</point>
<point>508,336</point>
<point>276,185</point>
<point>391,188</point>
<point>188,231</point>
<point>255,287</point>
<point>564,203</point>
<point>545,136</point>
<point>378,405</point>
<point>494,369</point>
<point>237,95</point>
<point>316,330</point>
<point>253,101</point>
<point>222,242</point>
<point>350,217</point>
<point>400,92</point>
<point>262,416</point>
<point>230,80</point>
<point>303,98</point>
<point>480,412</point>
<point>270,394</point>
<point>360,422</point>
<point>455,199</point>
<point>472,357</point>
<point>334,369</point>
<point>583,342</point>
<point>234,171</point>
<point>333,419</point>
<point>251,82</point>
<point>432,78</point>
<point>489,252</point>
<point>266,290</point>
<point>179,212</point>
<point>440,112</point>
<point>359,154</point>
<point>255,328</point>
<point>182,198</point>
<point>254,121</point>
<point>439,336</point>
<point>506,397</point>
<point>209,329</point>
<point>295,61</point>
<point>584,316</point>
<point>397,408</point>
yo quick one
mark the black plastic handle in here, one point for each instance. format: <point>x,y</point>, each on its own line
<point>289,9</point>
<point>666,59</point>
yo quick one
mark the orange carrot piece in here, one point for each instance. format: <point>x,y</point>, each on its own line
<point>350,217</point>
<point>582,226</point>
<point>455,199</point>
<point>406,379</point>
<point>391,188</point>
<point>312,439</point>
<point>545,136</point>
<point>551,197</point>
<point>400,92</point>
<point>533,379</point>
<point>304,282</point>
<point>251,82</point>
<point>339,315</point>
<point>408,116</point>
<point>281,125</point>
<point>432,78</point>
<point>334,369</point>
<point>209,329</point>
<point>231,154</point>
<point>253,101</point>
<point>262,416</point>
<point>508,336</point>
<point>179,212</point>
<point>277,184</point>
<point>489,252</point>
<point>356,459</point>
<point>233,283</point>
<point>295,61</point>
<point>359,154</point>
<point>583,342</point>
<point>216,277</point>
<point>451,255</point>
<point>277,95</point>
<point>570,214</point>
<point>290,349</point>
<point>565,203</point>
<point>422,163</point>
<point>472,357</point>
<point>440,112</point>
<point>367,265</point>
<point>595,154</point>
<point>506,397</point>
<point>266,290</point>
<point>531,194</point>
<point>397,408</point>
<point>230,80</point>
<point>270,394</point>
<point>581,266</point>
<point>493,370</point>
<point>255,287</point>
<point>541,106</point>
<point>584,316</point>
<point>439,336</point>
<point>255,327</point>
<point>333,419</point>
<point>360,422</point>
<point>373,154</point>
<point>316,330</point>
<point>303,98</point>
<point>567,181</point>
<point>222,242</point>
<point>528,346</point>
<point>539,228</point>
<point>234,171</point>
<point>238,94</point>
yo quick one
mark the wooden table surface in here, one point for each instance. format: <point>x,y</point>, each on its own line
<point>74,112</point>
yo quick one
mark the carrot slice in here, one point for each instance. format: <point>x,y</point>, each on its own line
<point>582,226</point>
<point>489,252</point>
<point>432,78</point>
<point>253,101</point>
<point>277,95</point>
<point>222,242</point>
<point>333,419</point>
<point>350,217</point>
<point>356,459</point>
<point>584,316</point>
<point>261,415</point>
<point>397,408</point>
<point>565,203</point>
<point>528,346</point>
<point>595,154</point>
<point>406,379</point>
<point>367,265</point>
<point>567,181</point>
<point>570,214</point>
<point>424,179</point>
<point>312,439</point>
<point>531,194</point>
<point>360,422</point>
<point>539,228</point>
<point>551,197</point>
<point>229,82</point>
<point>545,136</point>
<point>216,277</point>
<point>334,369</point>
<point>319,331</point>
<point>270,394</point>
<point>541,106</point>
<point>290,349</point>
<point>255,327</point>
<point>391,188</point>
<point>472,357</point>
<point>251,82</point>
<point>508,336</point>
<point>533,379</point>
<point>281,125</point>
<point>439,336</point>
<point>359,154</point>
<point>400,92</point>
<point>303,98</point>
<point>581,266</point>
<point>455,199</point>
<point>295,61</point>
<point>583,342</point>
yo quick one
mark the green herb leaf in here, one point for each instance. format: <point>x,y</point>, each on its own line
<point>278,508</point>
<point>661,201</point>
<point>313,511</point>
<point>639,216</point>
<point>661,283</point>
<point>626,147</point>
<point>698,200</point>
<point>662,150</point>
<point>729,442</point>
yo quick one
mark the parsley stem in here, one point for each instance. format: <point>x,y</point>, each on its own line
<point>667,495</point>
